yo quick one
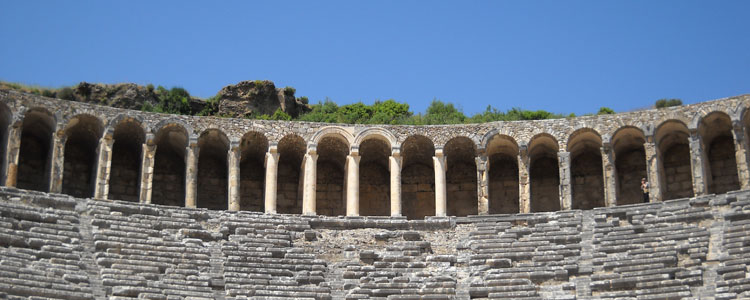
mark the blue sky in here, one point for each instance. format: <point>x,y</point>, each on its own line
<point>561,56</point>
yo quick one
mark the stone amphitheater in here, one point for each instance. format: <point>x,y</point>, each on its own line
<point>106,203</point>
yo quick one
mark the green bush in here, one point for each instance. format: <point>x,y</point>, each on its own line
<point>66,93</point>
<point>605,111</point>
<point>173,101</point>
<point>289,91</point>
<point>662,103</point>
<point>48,93</point>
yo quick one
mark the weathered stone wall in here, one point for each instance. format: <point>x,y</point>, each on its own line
<point>677,172</point>
<point>56,246</point>
<point>503,185</point>
<point>630,170</point>
<point>545,181</point>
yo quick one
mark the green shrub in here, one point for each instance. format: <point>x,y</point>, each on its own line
<point>304,100</point>
<point>66,93</point>
<point>289,91</point>
<point>280,116</point>
<point>662,103</point>
<point>605,111</point>
<point>48,93</point>
<point>150,88</point>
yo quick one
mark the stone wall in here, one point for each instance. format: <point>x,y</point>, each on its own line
<point>56,246</point>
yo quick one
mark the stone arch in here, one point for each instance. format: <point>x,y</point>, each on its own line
<point>461,176</point>
<point>174,123</point>
<point>332,131</point>
<point>502,154</point>
<point>504,133</point>
<point>82,134</point>
<point>171,140</point>
<point>213,169</point>
<point>374,175</point>
<point>630,163</point>
<point>715,130</point>
<point>37,128</point>
<point>544,173</point>
<point>124,180</point>
<point>418,177</point>
<point>332,148</point>
<point>587,180</point>
<point>253,149</point>
<point>672,142</point>
<point>291,150</point>
<point>376,133</point>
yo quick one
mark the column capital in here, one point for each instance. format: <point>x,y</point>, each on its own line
<point>523,150</point>
<point>396,151</point>
<point>234,146</point>
<point>273,148</point>
<point>439,152</point>
<point>107,140</point>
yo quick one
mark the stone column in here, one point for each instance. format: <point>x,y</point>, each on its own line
<point>741,154</point>
<point>191,173</point>
<point>13,148</point>
<point>524,182</point>
<point>103,167</point>
<point>57,161</point>
<point>233,176</point>
<point>308,197</point>
<point>653,170</point>
<point>566,195</point>
<point>272,169</point>
<point>148,155</point>
<point>609,172</point>
<point>394,164</point>
<point>698,164</point>
<point>440,188</point>
<point>483,183</point>
<point>352,182</point>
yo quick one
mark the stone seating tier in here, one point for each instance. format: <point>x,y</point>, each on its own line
<point>54,246</point>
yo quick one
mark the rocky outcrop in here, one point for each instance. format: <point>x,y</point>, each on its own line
<point>122,95</point>
<point>258,97</point>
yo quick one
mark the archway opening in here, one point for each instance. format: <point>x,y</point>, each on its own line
<point>125,170</point>
<point>418,177</point>
<point>168,186</point>
<point>502,152</point>
<point>331,170</point>
<point>79,171</point>
<point>676,175</point>
<point>630,162</point>
<point>374,178</point>
<point>461,177</point>
<point>587,178</point>
<point>34,154</point>
<point>545,174</point>
<point>291,150</point>
<point>716,131</point>
<point>253,147</point>
<point>212,170</point>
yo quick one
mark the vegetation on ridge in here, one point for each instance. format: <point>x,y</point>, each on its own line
<point>178,100</point>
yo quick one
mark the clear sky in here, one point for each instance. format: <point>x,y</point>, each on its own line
<point>561,56</point>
